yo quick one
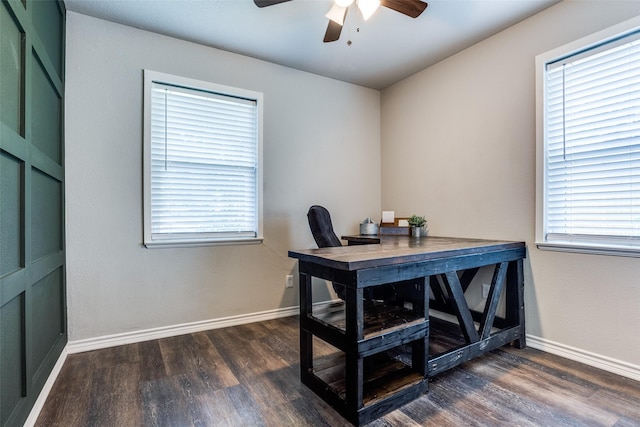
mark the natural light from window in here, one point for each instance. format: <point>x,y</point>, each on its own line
<point>589,145</point>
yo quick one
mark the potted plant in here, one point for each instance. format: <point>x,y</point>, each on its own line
<point>417,224</point>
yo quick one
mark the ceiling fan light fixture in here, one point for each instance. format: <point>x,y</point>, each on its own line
<point>336,14</point>
<point>368,7</point>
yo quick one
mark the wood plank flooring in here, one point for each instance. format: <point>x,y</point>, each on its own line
<point>249,376</point>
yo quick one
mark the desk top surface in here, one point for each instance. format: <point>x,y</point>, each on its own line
<point>394,250</point>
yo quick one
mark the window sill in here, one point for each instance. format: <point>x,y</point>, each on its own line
<point>201,243</point>
<point>590,249</point>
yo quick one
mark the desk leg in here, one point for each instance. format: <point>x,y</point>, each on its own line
<point>306,338</point>
<point>515,300</point>
<point>420,349</point>
<point>354,375</point>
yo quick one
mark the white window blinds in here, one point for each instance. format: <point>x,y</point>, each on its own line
<point>204,165</point>
<point>592,146</point>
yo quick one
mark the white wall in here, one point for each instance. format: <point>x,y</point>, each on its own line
<point>314,129</point>
<point>470,119</point>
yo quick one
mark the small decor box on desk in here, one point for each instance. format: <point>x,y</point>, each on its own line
<point>418,226</point>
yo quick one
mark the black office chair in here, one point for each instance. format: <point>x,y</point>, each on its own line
<point>322,230</point>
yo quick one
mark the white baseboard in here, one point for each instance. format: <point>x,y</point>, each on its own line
<point>597,361</point>
<point>44,393</point>
<point>105,341</point>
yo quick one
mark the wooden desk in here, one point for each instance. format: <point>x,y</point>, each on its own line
<point>383,358</point>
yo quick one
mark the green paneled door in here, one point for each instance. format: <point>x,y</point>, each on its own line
<point>33,329</point>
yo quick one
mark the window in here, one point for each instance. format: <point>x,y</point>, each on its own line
<point>202,163</point>
<point>589,145</point>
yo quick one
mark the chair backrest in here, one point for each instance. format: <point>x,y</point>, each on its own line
<point>321,227</point>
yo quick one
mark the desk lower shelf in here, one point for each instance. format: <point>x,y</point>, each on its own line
<point>389,380</point>
<point>385,374</point>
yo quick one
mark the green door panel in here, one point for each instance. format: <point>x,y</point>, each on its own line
<point>46,304</point>
<point>11,71</point>
<point>46,215</point>
<point>12,363</point>
<point>11,183</point>
<point>49,22</point>
<point>46,113</point>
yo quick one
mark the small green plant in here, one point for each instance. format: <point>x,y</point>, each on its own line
<point>417,221</point>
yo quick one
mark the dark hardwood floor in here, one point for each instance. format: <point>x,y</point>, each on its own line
<point>248,376</point>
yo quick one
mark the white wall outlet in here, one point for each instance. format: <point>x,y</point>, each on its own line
<point>289,281</point>
<point>485,290</point>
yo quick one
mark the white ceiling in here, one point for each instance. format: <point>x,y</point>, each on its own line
<point>387,48</point>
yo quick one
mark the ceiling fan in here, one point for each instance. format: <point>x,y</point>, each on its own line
<point>338,11</point>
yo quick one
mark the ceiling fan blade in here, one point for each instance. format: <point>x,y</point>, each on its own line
<point>334,29</point>
<point>412,8</point>
<point>333,32</point>
<point>264,3</point>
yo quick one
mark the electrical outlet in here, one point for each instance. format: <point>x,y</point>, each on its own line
<point>289,281</point>
<point>485,290</point>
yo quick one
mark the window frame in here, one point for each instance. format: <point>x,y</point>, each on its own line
<point>151,77</point>
<point>592,41</point>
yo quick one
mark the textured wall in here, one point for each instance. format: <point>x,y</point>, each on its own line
<point>470,119</point>
<point>314,131</point>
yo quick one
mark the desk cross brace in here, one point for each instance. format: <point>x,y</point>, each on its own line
<point>459,305</point>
